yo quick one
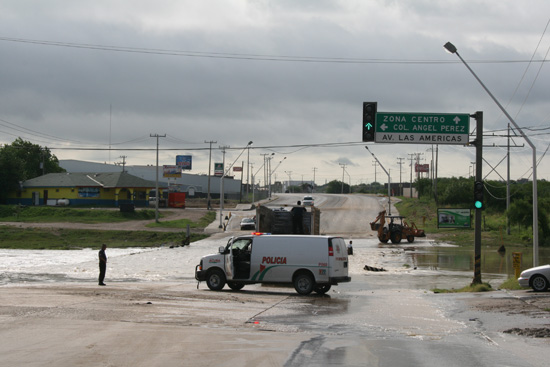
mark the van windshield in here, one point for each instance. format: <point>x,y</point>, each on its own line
<point>241,244</point>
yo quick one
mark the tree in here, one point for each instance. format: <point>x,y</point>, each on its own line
<point>335,187</point>
<point>23,160</point>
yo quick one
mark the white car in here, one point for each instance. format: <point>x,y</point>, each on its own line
<point>248,223</point>
<point>536,278</point>
<point>308,201</point>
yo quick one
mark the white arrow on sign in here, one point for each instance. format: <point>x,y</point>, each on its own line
<point>456,120</point>
<point>383,127</point>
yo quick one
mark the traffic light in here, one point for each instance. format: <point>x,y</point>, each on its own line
<point>478,194</point>
<point>369,120</point>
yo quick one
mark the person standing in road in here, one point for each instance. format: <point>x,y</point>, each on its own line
<point>298,218</point>
<point>102,264</point>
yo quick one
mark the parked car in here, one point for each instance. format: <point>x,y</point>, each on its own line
<point>248,223</point>
<point>308,201</point>
<point>536,278</point>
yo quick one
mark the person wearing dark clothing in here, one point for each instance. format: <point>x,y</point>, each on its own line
<point>102,264</point>
<point>298,218</point>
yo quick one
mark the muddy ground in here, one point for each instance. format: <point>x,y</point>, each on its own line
<point>524,303</point>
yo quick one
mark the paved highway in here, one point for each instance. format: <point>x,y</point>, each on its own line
<point>343,215</point>
<point>152,313</point>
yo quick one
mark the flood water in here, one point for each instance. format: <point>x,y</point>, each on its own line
<point>453,258</point>
<point>422,264</point>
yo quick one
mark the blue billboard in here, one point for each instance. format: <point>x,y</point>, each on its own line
<point>184,161</point>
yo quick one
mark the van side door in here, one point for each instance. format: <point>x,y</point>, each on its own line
<point>238,259</point>
<point>228,264</point>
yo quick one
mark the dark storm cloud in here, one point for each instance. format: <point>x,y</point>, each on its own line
<point>232,97</point>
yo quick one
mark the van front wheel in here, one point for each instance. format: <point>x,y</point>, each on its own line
<point>235,286</point>
<point>304,283</point>
<point>215,280</point>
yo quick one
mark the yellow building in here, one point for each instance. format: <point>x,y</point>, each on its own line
<point>101,189</point>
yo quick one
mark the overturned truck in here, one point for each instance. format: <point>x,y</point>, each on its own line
<point>279,220</point>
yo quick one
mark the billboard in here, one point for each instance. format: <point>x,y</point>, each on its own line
<point>184,161</point>
<point>422,167</point>
<point>237,169</point>
<point>454,218</point>
<point>171,171</point>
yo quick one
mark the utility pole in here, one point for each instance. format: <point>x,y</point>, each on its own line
<point>417,163</point>
<point>123,161</point>
<point>157,177</point>
<point>343,171</point>
<point>247,172</point>
<point>411,155</point>
<point>252,177</point>
<point>289,179</point>
<point>269,173</point>
<point>313,183</point>
<point>400,163</point>
<point>265,167</point>
<point>208,203</point>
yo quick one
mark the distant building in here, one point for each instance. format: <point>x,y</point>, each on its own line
<point>192,185</point>
<point>90,183</point>
<point>102,189</point>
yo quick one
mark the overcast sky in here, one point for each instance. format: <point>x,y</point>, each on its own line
<point>288,75</point>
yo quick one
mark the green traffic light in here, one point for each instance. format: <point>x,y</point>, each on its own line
<point>478,204</point>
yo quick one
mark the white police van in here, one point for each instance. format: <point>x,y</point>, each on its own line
<point>310,263</point>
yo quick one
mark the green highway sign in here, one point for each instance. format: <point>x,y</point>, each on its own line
<point>422,128</point>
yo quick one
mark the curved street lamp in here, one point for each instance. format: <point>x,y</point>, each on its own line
<point>224,174</point>
<point>452,49</point>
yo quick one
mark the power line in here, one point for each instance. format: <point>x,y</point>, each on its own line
<point>253,57</point>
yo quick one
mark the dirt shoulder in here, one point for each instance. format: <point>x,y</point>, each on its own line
<point>134,225</point>
<point>515,307</point>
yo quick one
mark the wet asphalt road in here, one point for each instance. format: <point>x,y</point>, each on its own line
<point>152,313</point>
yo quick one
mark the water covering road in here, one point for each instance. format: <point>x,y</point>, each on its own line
<point>388,318</point>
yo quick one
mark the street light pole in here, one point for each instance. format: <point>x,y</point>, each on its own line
<point>225,171</point>
<point>389,181</point>
<point>221,186</point>
<point>452,49</point>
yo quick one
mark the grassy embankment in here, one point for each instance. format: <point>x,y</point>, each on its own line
<point>55,238</point>
<point>424,213</point>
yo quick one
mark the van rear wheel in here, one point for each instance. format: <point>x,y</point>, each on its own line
<point>322,289</point>
<point>304,283</point>
<point>215,280</point>
<point>235,286</point>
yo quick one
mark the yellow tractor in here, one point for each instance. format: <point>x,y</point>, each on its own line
<point>395,229</point>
